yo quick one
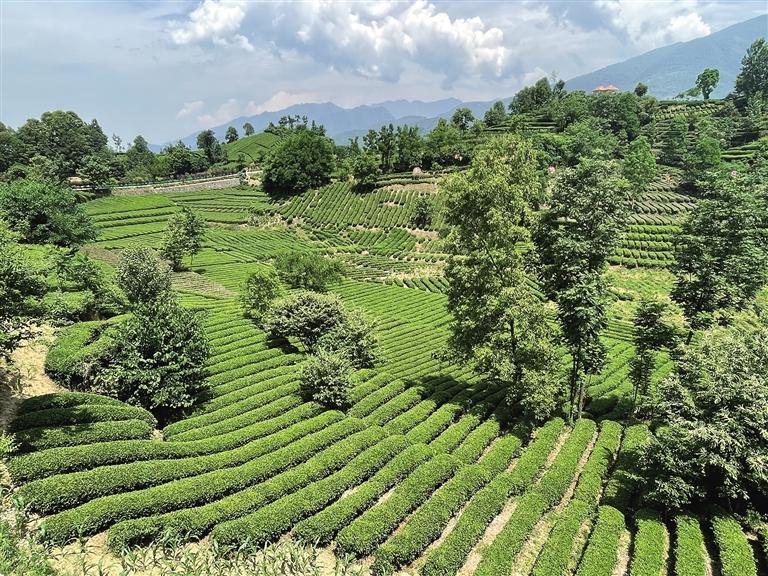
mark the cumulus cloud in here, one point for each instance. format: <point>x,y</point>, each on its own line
<point>224,113</point>
<point>190,108</point>
<point>653,24</point>
<point>215,20</point>
<point>280,100</point>
<point>380,40</point>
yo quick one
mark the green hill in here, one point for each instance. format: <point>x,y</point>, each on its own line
<point>251,146</point>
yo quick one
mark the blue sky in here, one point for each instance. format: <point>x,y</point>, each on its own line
<point>166,69</point>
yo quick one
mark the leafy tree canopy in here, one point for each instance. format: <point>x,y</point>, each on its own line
<point>302,160</point>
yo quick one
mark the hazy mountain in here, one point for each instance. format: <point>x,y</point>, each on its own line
<point>404,108</point>
<point>672,69</point>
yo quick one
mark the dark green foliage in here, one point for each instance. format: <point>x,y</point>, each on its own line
<point>231,135</point>
<point>463,119</point>
<point>422,213</point>
<point>142,277</point>
<point>248,129</point>
<point>498,324</point>
<point>574,239</point>
<point>18,282</point>
<point>653,331</point>
<point>45,212</point>
<point>674,151</point>
<point>74,358</point>
<point>302,160</point>
<point>184,235</point>
<point>207,143</point>
<point>46,438</point>
<point>496,115</point>
<point>710,408</point>
<point>707,81</point>
<point>308,270</point>
<point>325,378</point>
<point>639,166</point>
<point>531,98</point>
<point>752,80</point>
<point>158,358</point>
<point>721,258</point>
<point>63,138</point>
<point>641,89</point>
<point>366,168</point>
<point>260,290</point>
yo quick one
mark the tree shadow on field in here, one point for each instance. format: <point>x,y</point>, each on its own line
<point>478,398</point>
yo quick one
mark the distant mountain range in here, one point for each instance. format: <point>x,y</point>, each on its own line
<point>667,71</point>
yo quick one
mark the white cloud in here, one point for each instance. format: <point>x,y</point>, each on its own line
<point>214,20</point>
<point>190,108</point>
<point>281,100</point>
<point>654,24</point>
<point>224,113</point>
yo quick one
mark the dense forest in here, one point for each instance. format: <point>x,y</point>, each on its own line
<point>529,343</point>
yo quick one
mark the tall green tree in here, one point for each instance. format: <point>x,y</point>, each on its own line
<point>752,80</point>
<point>721,257</point>
<point>574,239</point>
<point>639,166</point>
<point>641,89</point>
<point>302,160</point>
<point>462,119</point>
<point>498,325</point>
<point>248,129</point>
<point>707,81</point>
<point>231,135</point>
<point>184,235</point>
<point>210,146</point>
<point>496,114</point>
<point>652,332</point>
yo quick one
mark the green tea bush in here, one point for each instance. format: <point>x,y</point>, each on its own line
<point>558,478</point>
<point>593,475</point>
<point>324,525</point>
<point>426,525</point>
<point>49,495</point>
<point>736,556</point>
<point>44,438</point>
<point>308,271</point>
<point>102,512</point>
<point>81,414</point>
<point>63,400</point>
<point>366,532</point>
<point>557,555</point>
<point>601,554</point>
<point>650,548</point>
<point>274,519</point>
<point>690,553</point>
<point>499,556</point>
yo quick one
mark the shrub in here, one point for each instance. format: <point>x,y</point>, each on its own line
<point>157,359</point>
<point>591,480</point>
<point>302,160</point>
<point>308,271</point>
<point>142,277</point>
<point>320,322</point>
<point>325,378</point>
<point>261,288</point>
<point>63,400</point>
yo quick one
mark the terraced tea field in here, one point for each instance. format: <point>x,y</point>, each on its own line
<point>429,472</point>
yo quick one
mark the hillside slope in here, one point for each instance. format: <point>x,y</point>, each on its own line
<point>669,70</point>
